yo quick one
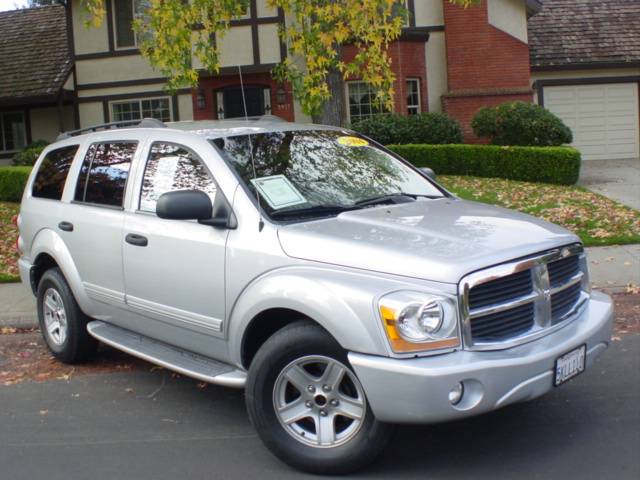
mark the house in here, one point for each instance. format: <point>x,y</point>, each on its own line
<point>448,59</point>
<point>36,92</point>
<point>585,62</point>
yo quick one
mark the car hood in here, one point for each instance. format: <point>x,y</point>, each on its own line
<point>440,240</point>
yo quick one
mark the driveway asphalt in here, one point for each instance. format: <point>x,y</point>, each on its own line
<point>616,179</point>
<point>147,425</point>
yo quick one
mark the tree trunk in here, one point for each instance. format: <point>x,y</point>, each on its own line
<point>334,110</point>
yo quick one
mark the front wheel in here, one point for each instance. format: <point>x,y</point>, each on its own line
<point>308,406</point>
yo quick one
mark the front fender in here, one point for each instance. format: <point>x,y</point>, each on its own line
<point>49,242</point>
<point>342,302</point>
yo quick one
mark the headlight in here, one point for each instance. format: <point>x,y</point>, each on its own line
<point>415,321</point>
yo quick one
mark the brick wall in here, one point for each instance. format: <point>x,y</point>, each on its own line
<point>407,61</point>
<point>485,66</point>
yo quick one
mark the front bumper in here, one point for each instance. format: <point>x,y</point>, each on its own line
<point>416,390</point>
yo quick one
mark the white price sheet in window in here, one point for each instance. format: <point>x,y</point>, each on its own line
<point>278,191</point>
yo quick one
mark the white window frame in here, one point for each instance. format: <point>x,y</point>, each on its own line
<point>139,100</point>
<point>418,106</point>
<point>2,138</point>
<point>347,85</point>
<point>114,22</point>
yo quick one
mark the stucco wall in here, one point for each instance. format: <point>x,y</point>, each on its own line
<point>112,69</point>
<point>236,47</point>
<point>436,53</point>
<point>185,106</point>
<point>510,16</point>
<point>91,114</point>
<point>428,13</point>
<point>45,123</point>
<point>88,40</point>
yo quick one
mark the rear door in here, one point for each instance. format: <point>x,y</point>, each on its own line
<point>174,270</point>
<point>93,223</point>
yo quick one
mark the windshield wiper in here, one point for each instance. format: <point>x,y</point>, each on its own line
<point>398,197</point>
<point>318,210</point>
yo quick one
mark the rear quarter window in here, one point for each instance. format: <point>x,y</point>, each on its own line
<point>52,173</point>
<point>104,173</point>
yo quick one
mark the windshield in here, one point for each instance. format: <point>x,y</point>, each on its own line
<point>313,173</point>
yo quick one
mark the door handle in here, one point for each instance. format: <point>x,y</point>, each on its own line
<point>66,226</point>
<point>137,240</point>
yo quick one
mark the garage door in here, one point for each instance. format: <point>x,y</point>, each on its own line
<point>603,118</point>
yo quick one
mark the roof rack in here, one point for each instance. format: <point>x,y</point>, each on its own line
<point>144,123</point>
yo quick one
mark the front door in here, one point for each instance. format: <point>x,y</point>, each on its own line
<point>230,99</point>
<point>173,269</point>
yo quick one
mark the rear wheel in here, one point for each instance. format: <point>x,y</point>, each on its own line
<point>308,406</point>
<point>62,324</point>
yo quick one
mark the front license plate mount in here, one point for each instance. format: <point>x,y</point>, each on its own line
<point>569,365</point>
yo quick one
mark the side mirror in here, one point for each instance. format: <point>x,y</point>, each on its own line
<point>196,205</point>
<point>428,172</point>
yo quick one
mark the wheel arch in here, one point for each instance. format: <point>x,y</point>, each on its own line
<point>281,297</point>
<point>49,250</point>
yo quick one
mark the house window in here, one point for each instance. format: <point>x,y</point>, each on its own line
<point>124,14</point>
<point>413,96</point>
<point>12,131</point>
<point>362,101</point>
<point>158,108</point>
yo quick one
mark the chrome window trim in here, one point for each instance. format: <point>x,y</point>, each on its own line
<point>541,297</point>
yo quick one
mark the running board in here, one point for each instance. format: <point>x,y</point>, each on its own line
<point>181,361</point>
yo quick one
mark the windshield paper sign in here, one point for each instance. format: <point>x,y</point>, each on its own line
<point>278,191</point>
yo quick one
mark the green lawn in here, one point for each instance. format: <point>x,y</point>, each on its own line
<point>596,219</point>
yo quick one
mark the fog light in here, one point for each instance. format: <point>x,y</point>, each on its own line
<point>455,395</point>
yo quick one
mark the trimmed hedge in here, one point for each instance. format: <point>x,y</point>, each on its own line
<point>560,165</point>
<point>521,123</point>
<point>12,182</point>
<point>29,154</point>
<point>426,128</point>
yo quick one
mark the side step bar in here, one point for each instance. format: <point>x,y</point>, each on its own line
<point>181,361</point>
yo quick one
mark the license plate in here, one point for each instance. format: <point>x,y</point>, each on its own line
<point>570,364</point>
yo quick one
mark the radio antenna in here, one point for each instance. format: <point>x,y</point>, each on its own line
<point>253,161</point>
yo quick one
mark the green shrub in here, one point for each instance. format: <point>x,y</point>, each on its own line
<point>12,182</point>
<point>559,165</point>
<point>29,154</point>
<point>425,128</point>
<point>520,123</point>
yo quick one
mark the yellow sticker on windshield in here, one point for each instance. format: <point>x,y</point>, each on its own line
<point>352,141</point>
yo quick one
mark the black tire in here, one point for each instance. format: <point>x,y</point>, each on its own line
<point>77,345</point>
<point>296,341</point>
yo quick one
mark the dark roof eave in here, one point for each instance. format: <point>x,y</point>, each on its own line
<point>533,6</point>
<point>32,100</point>
<point>584,66</point>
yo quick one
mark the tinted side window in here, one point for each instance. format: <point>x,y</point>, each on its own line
<point>104,173</point>
<point>169,168</point>
<point>53,171</point>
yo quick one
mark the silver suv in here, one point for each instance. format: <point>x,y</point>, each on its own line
<point>341,287</point>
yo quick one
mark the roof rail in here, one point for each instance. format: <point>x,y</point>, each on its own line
<point>144,123</point>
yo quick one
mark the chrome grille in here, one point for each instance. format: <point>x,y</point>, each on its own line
<point>516,302</point>
<point>501,290</point>
<point>562,302</point>
<point>562,270</point>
